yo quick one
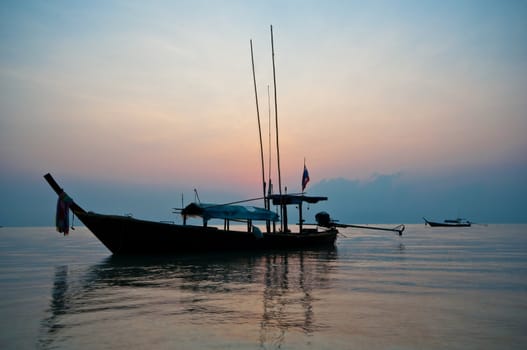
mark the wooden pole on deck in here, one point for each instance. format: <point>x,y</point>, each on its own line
<point>277,138</point>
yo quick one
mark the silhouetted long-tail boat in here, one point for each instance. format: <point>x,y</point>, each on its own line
<point>127,235</point>
<point>449,223</point>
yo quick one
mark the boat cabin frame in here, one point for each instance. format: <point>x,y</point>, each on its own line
<point>247,214</point>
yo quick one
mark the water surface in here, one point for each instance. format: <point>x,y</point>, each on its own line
<point>433,288</point>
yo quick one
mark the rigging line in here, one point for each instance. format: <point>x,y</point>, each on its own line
<point>235,202</point>
<point>259,125</point>
<point>224,204</point>
<point>276,116</point>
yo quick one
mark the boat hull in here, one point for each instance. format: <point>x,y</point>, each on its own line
<point>126,235</point>
<point>447,224</point>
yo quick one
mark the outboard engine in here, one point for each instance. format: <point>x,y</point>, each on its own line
<point>323,219</point>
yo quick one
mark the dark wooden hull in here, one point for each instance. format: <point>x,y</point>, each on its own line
<point>125,235</point>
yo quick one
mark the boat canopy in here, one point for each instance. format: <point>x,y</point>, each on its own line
<point>295,199</point>
<point>228,212</point>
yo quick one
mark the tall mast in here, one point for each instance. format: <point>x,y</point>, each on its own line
<point>270,184</point>
<point>276,122</point>
<point>269,129</point>
<point>259,126</point>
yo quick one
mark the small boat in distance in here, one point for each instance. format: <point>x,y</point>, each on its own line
<point>459,222</point>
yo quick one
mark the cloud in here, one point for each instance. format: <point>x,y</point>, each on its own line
<point>162,93</point>
<point>491,194</point>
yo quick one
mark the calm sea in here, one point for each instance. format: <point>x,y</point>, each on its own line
<point>432,288</point>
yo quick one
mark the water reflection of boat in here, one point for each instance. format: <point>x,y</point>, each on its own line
<point>207,289</point>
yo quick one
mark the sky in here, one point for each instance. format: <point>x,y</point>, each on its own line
<point>400,109</point>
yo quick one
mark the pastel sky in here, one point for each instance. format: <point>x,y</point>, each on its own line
<point>158,95</point>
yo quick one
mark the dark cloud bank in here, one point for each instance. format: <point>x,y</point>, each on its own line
<point>496,195</point>
<point>397,198</point>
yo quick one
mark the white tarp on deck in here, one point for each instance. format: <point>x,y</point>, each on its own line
<point>229,212</point>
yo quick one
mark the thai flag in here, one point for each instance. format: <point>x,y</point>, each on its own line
<point>305,178</point>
